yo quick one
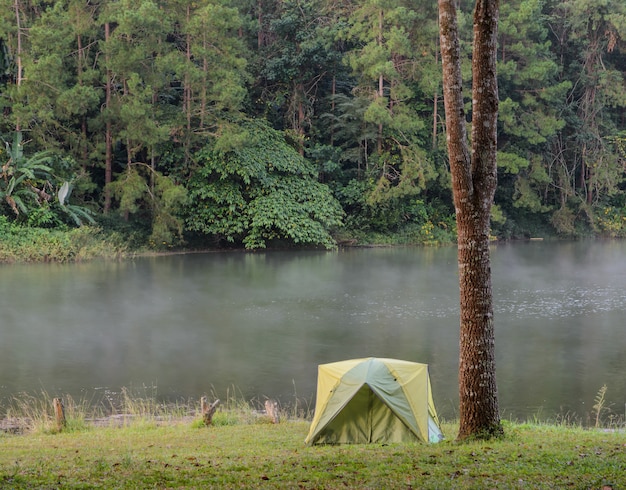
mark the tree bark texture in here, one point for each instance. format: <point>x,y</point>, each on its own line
<point>108,159</point>
<point>208,410</point>
<point>59,413</point>
<point>474,181</point>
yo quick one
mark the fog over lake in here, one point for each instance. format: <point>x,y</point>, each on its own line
<point>258,324</point>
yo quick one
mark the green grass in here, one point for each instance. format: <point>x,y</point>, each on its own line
<point>140,443</point>
<point>22,244</point>
<point>149,454</point>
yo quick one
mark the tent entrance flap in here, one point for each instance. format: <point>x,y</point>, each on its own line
<point>365,419</point>
<point>373,400</point>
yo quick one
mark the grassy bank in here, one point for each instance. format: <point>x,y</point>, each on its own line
<point>235,453</point>
<point>115,239</point>
<point>22,244</point>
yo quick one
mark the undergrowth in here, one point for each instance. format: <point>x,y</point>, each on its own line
<point>27,412</point>
<point>30,244</point>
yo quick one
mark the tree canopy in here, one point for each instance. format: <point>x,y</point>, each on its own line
<point>267,122</point>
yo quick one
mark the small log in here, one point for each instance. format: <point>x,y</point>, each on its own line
<point>271,408</point>
<point>59,413</point>
<point>208,410</point>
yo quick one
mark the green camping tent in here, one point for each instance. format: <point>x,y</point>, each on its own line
<point>373,400</point>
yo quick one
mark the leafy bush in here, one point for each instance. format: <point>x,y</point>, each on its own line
<point>260,191</point>
<point>612,221</point>
<point>141,190</point>
<point>397,220</point>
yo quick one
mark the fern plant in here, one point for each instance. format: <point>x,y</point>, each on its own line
<point>599,404</point>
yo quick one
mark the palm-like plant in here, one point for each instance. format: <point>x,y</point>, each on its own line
<point>75,212</point>
<point>27,183</point>
<point>24,180</point>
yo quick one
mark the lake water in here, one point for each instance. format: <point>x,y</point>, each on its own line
<point>258,324</point>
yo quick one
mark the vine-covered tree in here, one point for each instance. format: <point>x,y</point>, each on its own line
<point>260,190</point>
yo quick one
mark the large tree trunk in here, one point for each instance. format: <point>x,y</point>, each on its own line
<point>381,83</point>
<point>18,56</point>
<point>435,108</point>
<point>108,137</point>
<point>187,91</point>
<point>474,180</point>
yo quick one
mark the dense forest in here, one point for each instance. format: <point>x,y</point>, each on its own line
<point>272,122</point>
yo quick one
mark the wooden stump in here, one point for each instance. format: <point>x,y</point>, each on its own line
<point>208,410</point>
<point>271,408</point>
<point>59,413</point>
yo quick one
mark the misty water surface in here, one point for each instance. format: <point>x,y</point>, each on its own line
<point>188,325</point>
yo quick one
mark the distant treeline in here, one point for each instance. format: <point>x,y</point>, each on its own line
<point>269,122</point>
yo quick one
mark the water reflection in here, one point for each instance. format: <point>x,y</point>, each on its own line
<point>263,322</point>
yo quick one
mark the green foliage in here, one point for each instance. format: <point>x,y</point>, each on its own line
<point>43,217</point>
<point>292,208</point>
<point>78,214</point>
<point>355,87</point>
<point>5,63</point>
<point>386,106</point>
<point>20,243</point>
<point>168,199</point>
<point>130,189</point>
<point>564,221</point>
<point>401,219</point>
<point>24,181</point>
<point>407,174</point>
<point>511,163</point>
<point>532,111</point>
<point>298,60</point>
<point>27,185</point>
<point>612,221</point>
<point>260,192</point>
<point>142,190</point>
